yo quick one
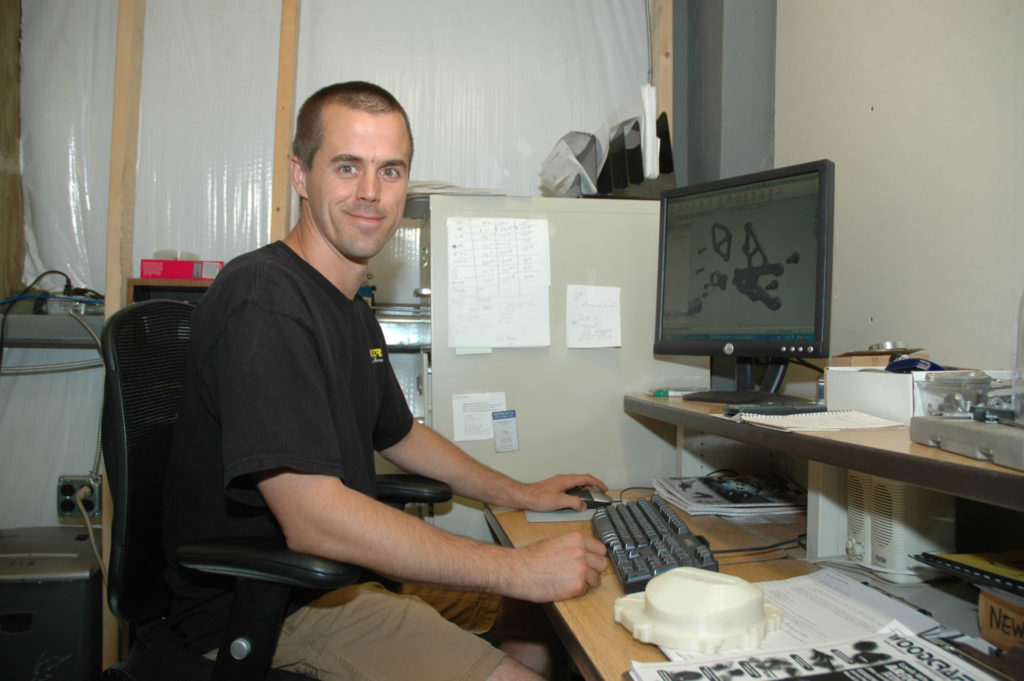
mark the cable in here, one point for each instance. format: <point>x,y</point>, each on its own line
<point>51,368</point>
<point>88,293</point>
<point>804,363</point>
<point>87,300</point>
<point>629,489</point>
<point>83,492</point>
<point>67,280</point>
<point>88,329</point>
<point>798,540</point>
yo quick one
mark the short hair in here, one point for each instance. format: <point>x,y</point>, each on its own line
<point>356,94</point>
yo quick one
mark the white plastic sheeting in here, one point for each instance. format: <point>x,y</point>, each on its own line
<point>206,127</point>
<point>490,87</point>
<point>67,94</point>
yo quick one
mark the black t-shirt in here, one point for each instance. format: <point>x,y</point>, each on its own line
<point>284,372</point>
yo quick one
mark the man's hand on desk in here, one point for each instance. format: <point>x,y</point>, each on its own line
<point>556,569</point>
<point>549,495</point>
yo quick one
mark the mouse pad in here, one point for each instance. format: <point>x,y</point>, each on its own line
<point>565,515</point>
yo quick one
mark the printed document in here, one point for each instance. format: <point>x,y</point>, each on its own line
<point>499,276</point>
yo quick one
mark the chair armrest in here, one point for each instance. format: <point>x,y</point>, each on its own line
<point>254,559</point>
<point>406,488</point>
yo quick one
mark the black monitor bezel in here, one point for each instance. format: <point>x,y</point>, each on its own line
<point>824,229</point>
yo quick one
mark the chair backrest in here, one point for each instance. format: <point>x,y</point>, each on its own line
<point>145,346</point>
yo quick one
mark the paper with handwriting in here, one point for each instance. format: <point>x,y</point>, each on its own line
<point>592,317</point>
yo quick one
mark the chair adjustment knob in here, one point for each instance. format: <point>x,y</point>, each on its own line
<point>240,648</point>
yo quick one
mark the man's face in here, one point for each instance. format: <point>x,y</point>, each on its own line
<point>355,189</point>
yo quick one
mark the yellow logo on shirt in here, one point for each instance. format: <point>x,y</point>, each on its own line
<point>376,355</point>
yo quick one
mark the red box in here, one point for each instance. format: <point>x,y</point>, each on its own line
<point>180,269</point>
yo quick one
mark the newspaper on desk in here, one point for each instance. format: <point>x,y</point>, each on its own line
<point>894,654</point>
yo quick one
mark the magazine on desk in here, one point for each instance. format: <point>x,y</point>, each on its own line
<point>891,655</point>
<point>733,494</point>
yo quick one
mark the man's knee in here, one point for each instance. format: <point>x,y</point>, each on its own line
<point>535,655</point>
<point>511,669</point>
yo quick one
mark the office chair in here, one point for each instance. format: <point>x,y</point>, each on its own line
<point>144,350</point>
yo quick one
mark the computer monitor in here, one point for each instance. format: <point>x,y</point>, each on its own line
<point>745,271</point>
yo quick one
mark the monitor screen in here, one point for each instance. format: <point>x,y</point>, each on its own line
<point>745,265</point>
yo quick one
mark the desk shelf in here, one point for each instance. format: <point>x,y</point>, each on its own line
<point>887,453</point>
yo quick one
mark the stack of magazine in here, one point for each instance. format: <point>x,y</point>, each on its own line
<point>733,494</point>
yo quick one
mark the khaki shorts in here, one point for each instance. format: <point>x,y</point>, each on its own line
<point>368,633</point>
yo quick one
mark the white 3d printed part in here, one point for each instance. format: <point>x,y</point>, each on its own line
<point>698,610</point>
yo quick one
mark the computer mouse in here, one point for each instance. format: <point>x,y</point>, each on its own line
<point>591,496</point>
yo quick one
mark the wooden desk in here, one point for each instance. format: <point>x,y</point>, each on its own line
<point>602,649</point>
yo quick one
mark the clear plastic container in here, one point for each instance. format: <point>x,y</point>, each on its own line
<point>951,392</point>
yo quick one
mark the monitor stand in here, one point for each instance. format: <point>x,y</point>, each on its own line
<point>751,390</point>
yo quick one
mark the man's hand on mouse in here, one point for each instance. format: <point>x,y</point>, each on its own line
<point>550,494</point>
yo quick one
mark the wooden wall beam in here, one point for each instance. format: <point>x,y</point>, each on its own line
<point>124,151</point>
<point>281,190</point>
<point>661,56</point>
<point>12,208</point>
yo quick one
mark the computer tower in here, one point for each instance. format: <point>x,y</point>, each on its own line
<point>50,605</point>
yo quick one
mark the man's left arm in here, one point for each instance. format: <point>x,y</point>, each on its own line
<point>426,452</point>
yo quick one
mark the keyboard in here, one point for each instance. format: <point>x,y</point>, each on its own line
<point>647,537</point>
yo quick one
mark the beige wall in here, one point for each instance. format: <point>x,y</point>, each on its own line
<point>921,106</point>
<point>568,401</point>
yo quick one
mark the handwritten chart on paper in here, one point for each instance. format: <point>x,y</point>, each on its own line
<point>499,273</point>
<point>592,317</point>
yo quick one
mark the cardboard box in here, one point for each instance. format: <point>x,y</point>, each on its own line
<point>872,391</point>
<point>1001,618</point>
<point>898,397</point>
<point>180,269</point>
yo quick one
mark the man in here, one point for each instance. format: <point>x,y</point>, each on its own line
<point>288,394</point>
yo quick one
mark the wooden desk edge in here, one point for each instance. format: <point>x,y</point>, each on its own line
<point>594,661</point>
<point>579,655</point>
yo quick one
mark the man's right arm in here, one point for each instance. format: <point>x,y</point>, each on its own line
<point>320,515</point>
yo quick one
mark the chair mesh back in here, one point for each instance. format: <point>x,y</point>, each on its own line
<point>144,348</point>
